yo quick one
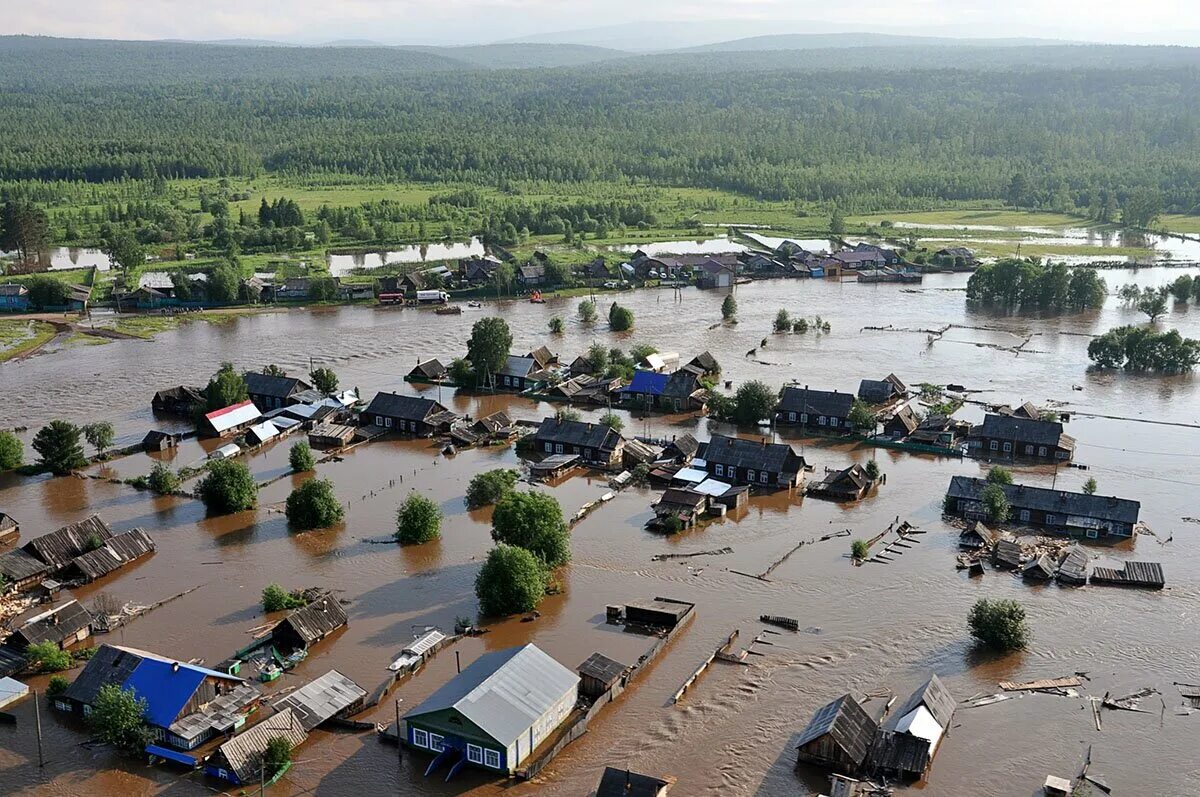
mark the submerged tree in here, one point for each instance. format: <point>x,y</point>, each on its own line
<point>999,625</point>
<point>490,486</point>
<point>533,521</point>
<point>512,580</point>
<point>100,435</point>
<point>729,308</point>
<point>418,520</point>
<point>228,487</point>
<point>313,505</point>
<point>57,443</point>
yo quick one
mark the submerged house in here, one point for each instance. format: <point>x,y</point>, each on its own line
<point>1018,436</point>
<point>308,625</point>
<point>58,548</point>
<point>116,552</point>
<point>518,373</point>
<point>848,484</point>
<point>908,739</point>
<point>21,571</point>
<point>595,443</point>
<point>186,705</point>
<point>269,392</point>
<point>1078,514</point>
<point>9,527</point>
<point>902,423</point>
<point>410,414</point>
<point>495,712</point>
<point>63,626</point>
<point>838,737</point>
<point>617,782</point>
<point>815,410</point>
<point>182,400</point>
<point>331,695</point>
<point>762,464</point>
<point>239,760</point>
<point>427,371</point>
<point>230,420</point>
<point>881,391</point>
<point>682,503</point>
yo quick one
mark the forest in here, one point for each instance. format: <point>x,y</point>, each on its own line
<point>1057,129</point>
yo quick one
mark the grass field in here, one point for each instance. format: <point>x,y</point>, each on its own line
<point>19,336</point>
<point>992,217</point>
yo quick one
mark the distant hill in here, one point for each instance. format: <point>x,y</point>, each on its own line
<point>518,55</point>
<point>831,41</point>
<point>657,36</point>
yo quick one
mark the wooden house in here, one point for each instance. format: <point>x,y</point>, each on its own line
<point>599,674</point>
<point>531,275</point>
<point>1073,569</point>
<point>703,365</point>
<point>413,415</point>
<point>815,410</point>
<point>682,448</point>
<point>331,435</point>
<point>1148,575</point>
<point>10,529</point>
<point>159,441</point>
<point>597,270</point>
<point>1007,554</point>
<point>713,273</point>
<point>269,392</point>
<point>617,782</point>
<point>658,613</point>
<point>906,742</point>
<point>21,571</point>
<point>1077,514</point>
<point>543,357</point>
<point>182,400</point>
<point>902,423</point>
<point>239,760</point>
<point>494,713</point>
<point>518,373</point>
<point>63,626</point>
<point>230,420</point>
<point>1012,435</point>
<point>14,298</point>
<point>977,536</point>
<point>116,552</point>
<point>847,484</point>
<point>427,371</point>
<point>684,504</point>
<point>58,548</point>
<point>597,444</point>
<point>838,737</point>
<point>309,624</point>
<point>1041,568</point>
<point>762,464</point>
<point>881,391</point>
<point>938,430</point>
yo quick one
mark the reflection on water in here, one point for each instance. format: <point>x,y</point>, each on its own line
<point>703,246</point>
<point>65,258</point>
<point>1163,247</point>
<point>417,253</point>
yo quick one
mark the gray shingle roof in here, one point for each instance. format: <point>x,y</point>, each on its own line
<point>1020,496</point>
<point>259,384</point>
<point>409,408</point>
<point>242,751</point>
<point>61,546</point>
<point>852,729</point>
<point>54,625</point>
<point>934,696</point>
<point>323,698</point>
<point>577,433</point>
<point>518,366</point>
<point>115,553</point>
<point>18,565</point>
<point>505,692</point>
<point>816,402</point>
<point>1024,430</point>
<point>317,619</point>
<point>771,457</point>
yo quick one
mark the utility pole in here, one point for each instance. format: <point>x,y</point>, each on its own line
<point>399,745</point>
<point>37,713</point>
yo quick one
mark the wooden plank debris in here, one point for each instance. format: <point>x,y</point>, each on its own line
<point>722,649</point>
<point>1044,683</point>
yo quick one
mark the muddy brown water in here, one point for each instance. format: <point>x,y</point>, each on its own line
<point>873,627</point>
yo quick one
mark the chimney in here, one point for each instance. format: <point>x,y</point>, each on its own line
<point>628,781</point>
<point>175,666</point>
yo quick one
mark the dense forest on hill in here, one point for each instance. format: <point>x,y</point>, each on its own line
<point>867,138</point>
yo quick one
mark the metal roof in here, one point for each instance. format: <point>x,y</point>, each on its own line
<point>617,782</point>
<point>263,431</point>
<point>323,698</point>
<point>694,475</point>
<point>223,420</point>
<point>647,382</point>
<point>504,693</point>
<point>221,714</point>
<point>155,279</point>
<point>712,487</point>
<point>602,668</point>
<point>851,727</point>
<point>771,457</point>
<point>11,690</point>
<point>816,402</point>
<point>1025,430</point>
<point>242,751</point>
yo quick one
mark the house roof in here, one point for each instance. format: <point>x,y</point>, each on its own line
<point>934,696</point>
<point>854,477</point>
<point>1024,430</point>
<point>233,416</point>
<point>771,457</point>
<point>263,431</point>
<point>116,552</point>
<point>542,356</point>
<point>195,395</point>
<point>504,693</point>
<point>156,280</point>
<point>681,496</point>
<point>531,271</point>
<point>317,619</point>
<point>517,366</point>
<point>323,698</point>
<point>429,368</point>
<point>578,433</point>
<point>221,713</point>
<point>851,728</point>
<point>602,668</point>
<point>647,383</point>
<point>54,625</point>
<point>681,384</point>
<point>956,251</point>
<point>241,752</point>
<point>906,418</point>
<point>17,565</point>
<point>409,408</point>
<point>875,391</point>
<point>816,402</point>
<point>705,361</point>
<point>61,546</point>
<point>13,289</point>
<point>260,384</point>
<point>685,444</point>
<point>7,522</point>
<point>624,783</point>
<point>1020,496</point>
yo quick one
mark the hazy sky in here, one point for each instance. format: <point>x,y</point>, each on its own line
<point>471,21</point>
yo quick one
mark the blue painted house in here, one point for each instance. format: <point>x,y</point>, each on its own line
<point>14,298</point>
<point>645,388</point>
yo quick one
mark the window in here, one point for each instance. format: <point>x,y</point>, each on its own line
<point>435,741</point>
<point>387,422</point>
<point>474,754</point>
<point>994,445</point>
<point>420,738</point>
<point>762,477</point>
<point>549,447</point>
<point>1092,534</point>
<point>822,421</point>
<point>1041,451</point>
<point>720,470</point>
<point>413,425</point>
<point>587,453</point>
<point>792,417</point>
<point>1024,515</point>
<point>379,420</point>
<point>558,448</point>
<point>1028,449</point>
<point>491,758</point>
<point>1007,447</point>
<point>62,705</point>
<point>750,475</point>
<point>1051,520</point>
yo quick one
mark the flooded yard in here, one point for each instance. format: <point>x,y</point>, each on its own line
<point>865,628</point>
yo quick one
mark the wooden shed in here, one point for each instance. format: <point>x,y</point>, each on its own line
<point>22,571</point>
<point>10,529</point>
<point>598,674</point>
<point>309,624</point>
<point>838,736</point>
<point>116,552</point>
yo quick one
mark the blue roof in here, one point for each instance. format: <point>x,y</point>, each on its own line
<point>171,755</point>
<point>166,689</point>
<point>647,382</point>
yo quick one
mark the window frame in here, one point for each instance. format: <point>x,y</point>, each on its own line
<point>489,755</point>
<point>439,745</point>
<point>417,735</point>
<point>474,753</point>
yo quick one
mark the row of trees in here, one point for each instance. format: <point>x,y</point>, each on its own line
<point>1143,349</point>
<point>1031,284</point>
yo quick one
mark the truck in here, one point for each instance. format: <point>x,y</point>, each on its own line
<point>432,297</point>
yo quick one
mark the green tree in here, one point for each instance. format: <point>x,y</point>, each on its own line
<point>418,520</point>
<point>556,325</point>
<point>753,402</point>
<point>729,308</point>
<point>47,657</point>
<point>612,421</point>
<point>274,370</point>
<point>587,311</point>
<point>47,292</point>
<point>620,319</point>
<point>275,598</point>
<point>313,505</point>
<point>489,345</point>
<point>226,388</point>
<point>1181,288</point>
<point>872,470</point>
<point>300,458</point>
<point>999,625</point>
<point>1141,349</point>
<point>533,521</point>
<point>783,321</point>
<point>57,443</point>
<point>99,435</point>
<point>12,452</point>
<point>228,487</point>
<point>57,685</point>
<point>490,486</point>
<point>122,247</point>
<point>1090,486</point>
<point>1142,207</point>
<point>461,373</point>
<point>862,416</point>
<point>223,283</point>
<point>119,718</point>
<point>996,503</point>
<point>503,276</point>
<point>275,757</point>
<point>597,358</point>
<point>512,580</point>
<point>999,474</point>
<point>24,229</point>
<point>837,223</point>
<point>859,550</point>
<point>162,480</point>
<point>1153,304</point>
<point>324,380</point>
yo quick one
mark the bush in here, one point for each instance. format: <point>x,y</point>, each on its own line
<point>461,372</point>
<point>12,453</point>
<point>800,325</point>
<point>999,475</point>
<point>533,521</point>
<point>1090,486</point>
<point>587,311</point>
<point>861,415</point>
<point>226,388</point>
<point>313,505</point>
<point>58,684</point>
<point>612,421</point>
<point>999,624</point>
<point>620,319</point>
<point>228,487</point>
<point>162,480</point>
<point>872,470</point>
<point>418,520</point>
<point>556,325</point>
<point>490,486</point>
<point>729,308</point>
<point>511,580</point>
<point>783,321</point>
<point>860,550</point>
<point>57,443</point>
<point>275,598</point>
<point>276,756</point>
<point>300,458</point>
<point>567,414</point>
<point>324,380</point>
<point>119,718</point>
<point>671,525</point>
<point>47,657</point>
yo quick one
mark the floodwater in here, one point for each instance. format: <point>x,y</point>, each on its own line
<point>65,258</point>
<point>1163,247</point>
<point>869,628</point>
<point>340,265</point>
<point>700,246</point>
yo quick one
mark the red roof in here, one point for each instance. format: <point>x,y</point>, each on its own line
<point>231,408</point>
